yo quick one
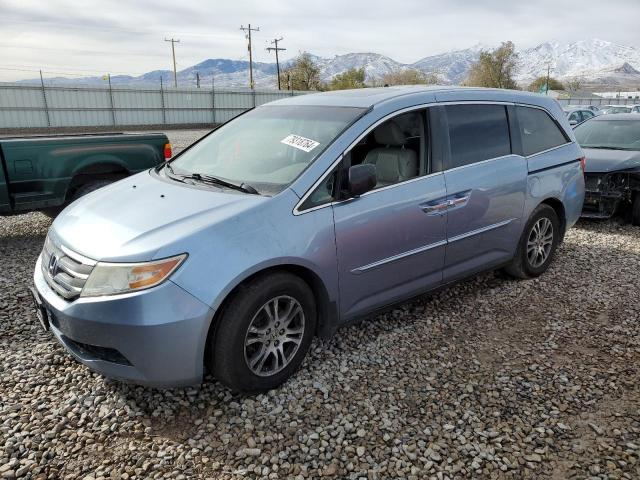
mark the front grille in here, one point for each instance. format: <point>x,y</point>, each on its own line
<point>64,271</point>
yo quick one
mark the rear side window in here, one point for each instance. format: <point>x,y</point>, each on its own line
<point>539,131</point>
<point>477,133</point>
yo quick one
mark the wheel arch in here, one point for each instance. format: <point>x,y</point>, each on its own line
<point>327,310</point>
<point>99,170</point>
<point>558,207</point>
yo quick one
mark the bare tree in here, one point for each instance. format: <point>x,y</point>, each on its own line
<point>352,78</point>
<point>574,84</point>
<point>303,74</point>
<point>539,84</point>
<point>409,76</point>
<point>495,68</point>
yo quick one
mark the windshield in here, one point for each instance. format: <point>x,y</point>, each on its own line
<point>617,134</point>
<point>268,147</point>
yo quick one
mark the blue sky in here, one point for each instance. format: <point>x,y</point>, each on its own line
<point>90,37</point>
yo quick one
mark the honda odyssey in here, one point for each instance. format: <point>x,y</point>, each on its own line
<point>299,216</point>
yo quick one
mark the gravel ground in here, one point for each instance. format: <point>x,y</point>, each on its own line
<point>493,378</point>
<point>180,139</point>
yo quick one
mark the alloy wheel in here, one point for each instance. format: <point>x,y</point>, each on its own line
<point>540,242</point>
<point>274,336</point>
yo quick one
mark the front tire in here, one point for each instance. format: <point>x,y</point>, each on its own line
<point>264,333</point>
<point>537,245</point>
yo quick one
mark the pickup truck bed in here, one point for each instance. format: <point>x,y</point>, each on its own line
<point>48,172</point>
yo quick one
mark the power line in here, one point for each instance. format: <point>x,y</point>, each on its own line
<point>80,51</point>
<point>276,49</point>
<point>173,52</point>
<point>75,73</point>
<point>248,29</point>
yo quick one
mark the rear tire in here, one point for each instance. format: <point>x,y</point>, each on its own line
<point>82,190</point>
<point>537,245</point>
<point>52,212</point>
<point>635,210</point>
<point>264,333</point>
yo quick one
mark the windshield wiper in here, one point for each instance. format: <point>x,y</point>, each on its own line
<point>243,187</point>
<point>199,177</point>
<point>173,175</point>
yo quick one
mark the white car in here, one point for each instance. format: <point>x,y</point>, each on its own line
<point>616,109</point>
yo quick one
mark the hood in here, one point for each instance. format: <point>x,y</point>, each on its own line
<point>134,218</point>
<point>604,161</point>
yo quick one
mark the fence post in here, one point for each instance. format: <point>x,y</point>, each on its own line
<point>113,110</point>
<point>164,116</point>
<point>213,100</point>
<point>44,97</point>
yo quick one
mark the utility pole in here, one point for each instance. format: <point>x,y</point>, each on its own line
<point>173,52</point>
<point>548,72</point>
<point>276,49</point>
<point>248,29</point>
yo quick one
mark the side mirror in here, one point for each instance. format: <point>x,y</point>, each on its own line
<point>362,178</point>
<point>573,123</point>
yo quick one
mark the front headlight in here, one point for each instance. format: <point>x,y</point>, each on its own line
<point>114,278</point>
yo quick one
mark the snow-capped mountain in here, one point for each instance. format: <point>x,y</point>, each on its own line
<point>591,61</point>
<point>588,59</point>
<point>375,65</point>
<point>451,67</point>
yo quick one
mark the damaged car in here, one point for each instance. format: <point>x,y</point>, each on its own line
<point>611,144</point>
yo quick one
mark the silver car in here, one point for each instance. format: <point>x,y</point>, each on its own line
<point>299,217</point>
<point>577,115</point>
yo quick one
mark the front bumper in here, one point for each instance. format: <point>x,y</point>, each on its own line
<point>600,205</point>
<point>154,337</point>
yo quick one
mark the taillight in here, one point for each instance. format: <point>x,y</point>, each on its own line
<point>167,151</point>
<point>583,164</point>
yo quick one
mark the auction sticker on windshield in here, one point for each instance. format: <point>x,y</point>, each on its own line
<point>301,143</point>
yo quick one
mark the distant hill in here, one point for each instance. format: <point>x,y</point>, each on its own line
<point>593,61</point>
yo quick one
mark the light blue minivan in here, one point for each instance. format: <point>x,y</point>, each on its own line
<point>299,216</point>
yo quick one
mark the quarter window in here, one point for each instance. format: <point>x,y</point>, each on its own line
<point>539,131</point>
<point>477,133</point>
<point>323,194</point>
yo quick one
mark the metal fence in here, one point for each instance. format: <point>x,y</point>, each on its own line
<point>40,106</point>
<point>598,101</point>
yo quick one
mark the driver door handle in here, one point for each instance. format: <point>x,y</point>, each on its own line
<point>435,208</point>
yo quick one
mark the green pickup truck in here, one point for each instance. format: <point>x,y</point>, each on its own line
<point>48,172</point>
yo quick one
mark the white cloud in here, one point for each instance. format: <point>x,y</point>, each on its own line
<point>127,36</point>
